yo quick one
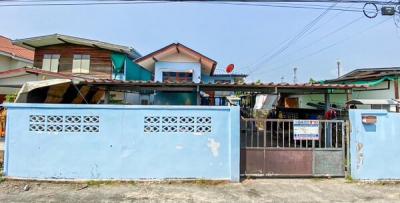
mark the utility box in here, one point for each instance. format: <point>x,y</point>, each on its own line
<point>388,10</point>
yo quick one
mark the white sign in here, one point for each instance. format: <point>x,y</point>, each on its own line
<point>306,129</point>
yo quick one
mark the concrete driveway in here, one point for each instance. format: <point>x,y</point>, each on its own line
<point>260,190</point>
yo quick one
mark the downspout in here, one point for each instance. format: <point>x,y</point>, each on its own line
<point>396,91</point>
<point>124,79</point>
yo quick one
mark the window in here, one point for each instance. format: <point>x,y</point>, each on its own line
<point>50,62</point>
<point>81,63</point>
<point>144,102</point>
<point>222,81</point>
<point>177,77</point>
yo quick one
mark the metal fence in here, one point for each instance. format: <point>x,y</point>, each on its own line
<point>278,133</point>
<point>269,148</point>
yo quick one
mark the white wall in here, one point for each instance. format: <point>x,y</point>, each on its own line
<point>7,63</point>
<point>340,99</point>
<point>162,66</point>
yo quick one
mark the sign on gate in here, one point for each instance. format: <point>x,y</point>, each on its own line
<point>306,129</point>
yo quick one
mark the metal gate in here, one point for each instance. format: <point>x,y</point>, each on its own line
<point>268,148</point>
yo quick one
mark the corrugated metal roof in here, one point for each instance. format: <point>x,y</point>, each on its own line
<point>366,74</point>
<point>222,73</point>
<point>232,85</point>
<point>40,41</point>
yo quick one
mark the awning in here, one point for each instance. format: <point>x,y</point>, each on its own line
<point>58,91</point>
<point>374,102</point>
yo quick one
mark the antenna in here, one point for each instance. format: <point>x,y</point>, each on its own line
<point>295,75</point>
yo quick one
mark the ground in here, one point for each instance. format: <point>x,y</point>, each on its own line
<point>258,190</point>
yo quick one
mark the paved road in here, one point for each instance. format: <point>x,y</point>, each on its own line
<point>260,190</point>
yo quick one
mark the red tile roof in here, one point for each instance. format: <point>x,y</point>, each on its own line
<point>7,47</point>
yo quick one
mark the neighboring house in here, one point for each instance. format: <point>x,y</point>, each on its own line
<point>12,56</point>
<point>177,63</point>
<point>382,84</point>
<point>78,56</point>
<point>68,56</point>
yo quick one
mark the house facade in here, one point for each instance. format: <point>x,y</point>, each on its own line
<point>12,56</point>
<point>61,56</point>
<point>177,63</point>
<point>78,56</point>
<point>382,85</point>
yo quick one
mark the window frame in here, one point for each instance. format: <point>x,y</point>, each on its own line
<point>177,76</point>
<point>52,59</point>
<point>80,58</point>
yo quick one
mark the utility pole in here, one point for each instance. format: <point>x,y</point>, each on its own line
<point>338,68</point>
<point>282,78</point>
<point>295,75</point>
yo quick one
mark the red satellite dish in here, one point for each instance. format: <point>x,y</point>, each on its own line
<point>230,68</point>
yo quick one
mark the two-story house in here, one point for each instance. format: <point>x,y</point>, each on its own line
<point>177,63</point>
<point>62,56</point>
<point>78,56</point>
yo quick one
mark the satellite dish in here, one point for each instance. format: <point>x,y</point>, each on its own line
<point>230,68</point>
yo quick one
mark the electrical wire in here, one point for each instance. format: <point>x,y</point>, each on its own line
<point>292,41</point>
<point>329,46</point>
<point>325,36</point>
<point>291,4</point>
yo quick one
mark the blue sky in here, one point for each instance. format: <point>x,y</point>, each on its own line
<point>227,33</point>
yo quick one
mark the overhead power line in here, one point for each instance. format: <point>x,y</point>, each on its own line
<point>292,41</point>
<point>272,3</point>
<point>325,36</point>
<point>328,47</point>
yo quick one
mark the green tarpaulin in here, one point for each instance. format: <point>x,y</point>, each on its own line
<point>118,61</point>
<point>370,83</point>
<point>133,71</point>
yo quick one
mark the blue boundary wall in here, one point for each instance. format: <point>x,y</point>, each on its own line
<point>117,142</point>
<point>375,148</point>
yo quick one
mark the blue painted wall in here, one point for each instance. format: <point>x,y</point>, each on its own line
<point>121,142</point>
<point>374,149</point>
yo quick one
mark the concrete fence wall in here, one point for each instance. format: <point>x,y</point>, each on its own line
<point>122,142</point>
<point>375,148</point>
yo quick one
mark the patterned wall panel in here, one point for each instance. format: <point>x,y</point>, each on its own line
<point>177,124</point>
<point>61,123</point>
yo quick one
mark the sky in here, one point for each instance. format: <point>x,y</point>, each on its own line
<point>230,34</point>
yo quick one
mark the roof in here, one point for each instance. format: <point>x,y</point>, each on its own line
<point>25,71</point>
<point>366,74</point>
<point>184,86</point>
<point>222,73</point>
<point>13,51</point>
<point>374,101</point>
<point>174,48</point>
<point>40,41</point>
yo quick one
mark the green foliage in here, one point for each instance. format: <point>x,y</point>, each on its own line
<point>312,81</point>
<point>10,98</point>
<point>349,179</point>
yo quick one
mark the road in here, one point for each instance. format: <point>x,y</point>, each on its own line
<point>259,190</point>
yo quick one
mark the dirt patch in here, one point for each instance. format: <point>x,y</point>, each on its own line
<point>258,190</point>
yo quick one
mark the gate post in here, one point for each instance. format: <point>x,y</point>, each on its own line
<point>235,143</point>
<point>346,146</point>
<point>313,158</point>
